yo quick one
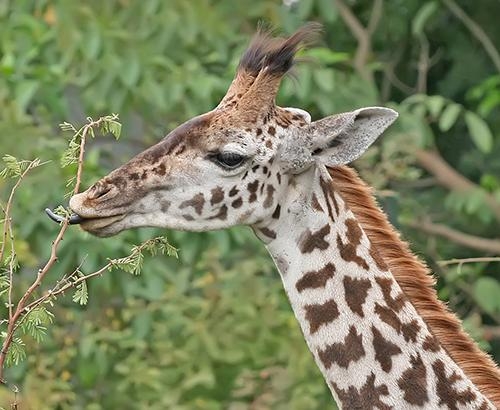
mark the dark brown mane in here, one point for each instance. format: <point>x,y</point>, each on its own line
<point>417,283</point>
<point>274,53</point>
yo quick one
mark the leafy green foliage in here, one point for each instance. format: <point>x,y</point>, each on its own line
<point>213,329</point>
<point>81,294</point>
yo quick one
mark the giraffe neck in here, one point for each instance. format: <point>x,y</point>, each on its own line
<point>371,345</point>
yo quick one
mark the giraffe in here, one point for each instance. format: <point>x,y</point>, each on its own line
<point>366,305</point>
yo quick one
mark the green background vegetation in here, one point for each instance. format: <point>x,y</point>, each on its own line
<point>213,329</point>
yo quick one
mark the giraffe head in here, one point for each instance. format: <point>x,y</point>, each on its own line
<point>233,164</point>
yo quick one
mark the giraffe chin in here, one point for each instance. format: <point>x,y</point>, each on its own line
<point>102,227</point>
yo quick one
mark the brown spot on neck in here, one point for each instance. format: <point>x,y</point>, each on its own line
<point>384,350</point>
<point>316,278</point>
<point>448,392</point>
<point>351,350</point>
<point>396,303</point>
<point>356,291</point>
<point>367,397</point>
<point>321,314</point>
<point>309,241</point>
<point>413,382</point>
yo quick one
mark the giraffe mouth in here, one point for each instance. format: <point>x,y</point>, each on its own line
<point>86,223</point>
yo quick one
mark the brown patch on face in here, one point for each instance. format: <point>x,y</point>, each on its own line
<point>164,205</point>
<point>252,188</point>
<point>431,344</point>
<point>234,191</point>
<point>258,131</point>
<point>237,203</point>
<point>351,350</point>
<point>196,202</point>
<point>385,284</point>
<point>367,397</point>
<point>384,350</point>
<point>269,144</point>
<point>217,195</point>
<point>271,130</point>
<point>186,134</point>
<point>446,389</point>
<point>321,314</point>
<point>160,169</point>
<point>309,241</point>
<point>410,330</point>
<point>180,150</point>
<point>413,382</point>
<point>356,291</point>
<point>316,278</point>
<point>269,197</point>
<point>268,232</point>
<point>315,203</point>
<point>222,214</point>
<point>381,265</point>
<point>276,213</point>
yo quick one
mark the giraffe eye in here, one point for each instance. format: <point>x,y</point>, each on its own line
<point>228,160</point>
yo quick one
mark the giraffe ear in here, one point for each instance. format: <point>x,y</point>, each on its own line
<point>342,138</point>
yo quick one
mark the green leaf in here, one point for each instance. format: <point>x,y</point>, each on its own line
<point>435,104</point>
<point>81,294</point>
<point>422,16</point>
<point>486,291</point>
<point>449,116</point>
<point>479,132</point>
<point>16,353</point>
<point>115,128</point>
<point>24,93</point>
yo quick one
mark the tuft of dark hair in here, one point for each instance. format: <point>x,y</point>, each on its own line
<point>274,53</point>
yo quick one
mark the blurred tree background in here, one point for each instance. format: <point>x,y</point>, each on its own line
<point>213,329</point>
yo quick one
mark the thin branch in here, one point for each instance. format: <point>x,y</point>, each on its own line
<point>476,30</point>
<point>423,65</point>
<point>468,260</point>
<point>464,239</point>
<point>21,305</point>
<point>448,177</point>
<point>363,35</point>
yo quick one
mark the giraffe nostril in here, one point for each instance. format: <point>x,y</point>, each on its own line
<point>100,191</point>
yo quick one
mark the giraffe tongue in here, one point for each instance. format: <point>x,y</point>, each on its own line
<point>73,219</point>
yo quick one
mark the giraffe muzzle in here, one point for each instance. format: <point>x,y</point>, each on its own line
<point>72,220</point>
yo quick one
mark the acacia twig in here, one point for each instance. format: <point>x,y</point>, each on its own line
<point>461,238</point>
<point>20,309</point>
<point>448,177</point>
<point>476,30</point>
<point>469,260</point>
